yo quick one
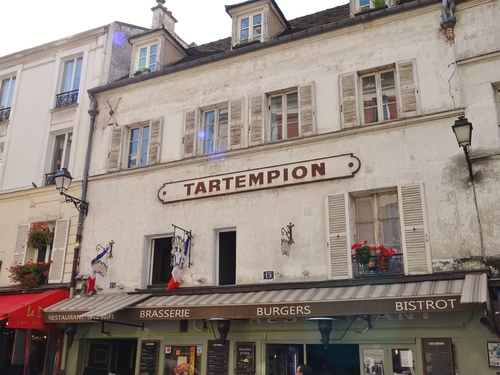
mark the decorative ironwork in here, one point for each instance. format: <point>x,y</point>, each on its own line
<point>286,239</point>
<point>49,179</point>
<point>66,98</point>
<point>4,114</point>
<point>395,266</point>
<point>80,205</point>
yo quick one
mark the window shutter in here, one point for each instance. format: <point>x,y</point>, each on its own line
<point>307,110</point>
<point>337,230</point>
<point>115,149</point>
<point>21,244</point>
<point>154,141</point>
<point>59,251</point>
<point>189,133</point>
<point>256,119</point>
<point>235,123</point>
<point>348,94</point>
<point>408,89</point>
<point>414,233</point>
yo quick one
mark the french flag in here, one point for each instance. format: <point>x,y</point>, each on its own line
<point>93,274</point>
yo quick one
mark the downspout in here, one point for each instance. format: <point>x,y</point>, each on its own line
<point>71,327</point>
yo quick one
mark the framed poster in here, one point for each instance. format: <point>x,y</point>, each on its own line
<point>245,357</point>
<point>493,351</point>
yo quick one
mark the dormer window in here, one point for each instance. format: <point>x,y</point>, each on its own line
<point>251,28</point>
<point>147,58</point>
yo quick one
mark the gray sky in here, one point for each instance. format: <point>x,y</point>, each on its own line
<point>29,23</point>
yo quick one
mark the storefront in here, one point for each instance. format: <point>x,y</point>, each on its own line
<point>381,328</point>
<point>27,344</point>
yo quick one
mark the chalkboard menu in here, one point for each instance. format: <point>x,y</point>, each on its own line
<point>245,357</point>
<point>438,356</point>
<point>217,357</point>
<point>149,357</point>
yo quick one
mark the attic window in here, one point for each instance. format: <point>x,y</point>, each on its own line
<point>251,28</point>
<point>147,58</point>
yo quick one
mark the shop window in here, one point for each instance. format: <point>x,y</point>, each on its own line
<point>182,360</point>
<point>161,268</point>
<point>226,257</point>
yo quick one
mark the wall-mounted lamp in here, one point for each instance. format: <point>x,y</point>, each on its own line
<point>63,180</point>
<point>324,327</point>
<point>222,327</point>
<point>463,132</point>
<point>70,333</point>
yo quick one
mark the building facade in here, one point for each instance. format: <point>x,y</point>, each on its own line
<point>230,184</point>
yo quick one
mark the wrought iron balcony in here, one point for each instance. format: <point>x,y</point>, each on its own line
<point>395,266</point>
<point>4,114</point>
<point>66,98</point>
<point>49,179</point>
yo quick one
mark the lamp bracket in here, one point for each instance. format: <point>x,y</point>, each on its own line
<point>80,205</point>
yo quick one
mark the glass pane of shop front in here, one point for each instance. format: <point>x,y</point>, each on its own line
<point>180,360</point>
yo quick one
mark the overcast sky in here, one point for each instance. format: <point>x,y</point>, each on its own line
<point>29,23</point>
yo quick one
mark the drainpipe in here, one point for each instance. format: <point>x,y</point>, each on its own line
<point>71,328</point>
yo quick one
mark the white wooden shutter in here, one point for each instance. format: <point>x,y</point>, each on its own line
<point>190,121</point>
<point>235,123</point>
<point>256,127</point>
<point>154,141</point>
<point>408,89</point>
<point>414,229</point>
<point>59,246</point>
<point>21,244</point>
<point>307,109</point>
<point>340,263</point>
<point>114,156</point>
<point>348,100</point>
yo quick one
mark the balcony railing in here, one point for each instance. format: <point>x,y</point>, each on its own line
<point>4,114</point>
<point>49,179</point>
<point>66,98</point>
<point>395,266</point>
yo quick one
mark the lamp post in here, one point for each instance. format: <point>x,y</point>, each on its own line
<point>463,132</point>
<point>63,181</point>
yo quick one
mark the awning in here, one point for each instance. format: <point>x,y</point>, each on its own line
<point>475,289</point>
<point>396,298</point>
<point>87,309</point>
<point>26,310</point>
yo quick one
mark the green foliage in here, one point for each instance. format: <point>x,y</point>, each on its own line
<point>28,275</point>
<point>378,3</point>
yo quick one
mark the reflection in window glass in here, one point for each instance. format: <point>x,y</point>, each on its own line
<point>402,361</point>
<point>183,360</point>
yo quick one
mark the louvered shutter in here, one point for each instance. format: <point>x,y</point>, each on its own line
<point>235,123</point>
<point>21,244</point>
<point>154,141</point>
<point>408,89</point>
<point>256,119</point>
<point>414,233</point>
<point>189,133</point>
<point>348,100</point>
<point>340,262</point>
<point>307,109</point>
<point>59,251</point>
<point>115,149</point>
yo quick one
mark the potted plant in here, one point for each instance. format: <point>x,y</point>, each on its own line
<point>39,235</point>
<point>384,255</point>
<point>28,275</point>
<point>362,252</point>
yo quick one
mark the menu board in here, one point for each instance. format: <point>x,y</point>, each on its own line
<point>149,357</point>
<point>438,356</point>
<point>245,357</point>
<point>217,357</point>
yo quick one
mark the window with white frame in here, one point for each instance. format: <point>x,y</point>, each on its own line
<point>138,143</point>
<point>6,95</point>
<point>250,28</point>
<point>62,151</point>
<point>148,57</point>
<point>379,96</point>
<point>70,82</point>
<point>284,116</point>
<point>382,94</point>
<point>377,219</point>
<point>214,132</point>
<point>134,146</point>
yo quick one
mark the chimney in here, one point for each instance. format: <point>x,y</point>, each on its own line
<point>162,17</point>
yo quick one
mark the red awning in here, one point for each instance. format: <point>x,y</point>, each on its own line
<point>26,310</point>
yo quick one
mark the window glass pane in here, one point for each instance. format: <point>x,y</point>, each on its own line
<point>365,225</point>
<point>391,236</point>
<point>4,93</point>
<point>244,23</point>
<point>11,91</point>
<point>276,118</point>
<point>388,95</point>
<point>78,74</point>
<point>152,58</point>
<point>133,147</point>
<point>292,120</point>
<point>364,3</point>
<point>67,151</point>
<point>208,134</point>
<point>67,74</point>
<point>244,34</point>
<point>182,359</point>
<point>142,57</point>
<point>222,130</point>
<point>143,52</point>
<point>402,361</point>
<point>257,19</point>
<point>369,99</point>
<point>144,146</point>
<point>388,206</point>
<point>153,49</point>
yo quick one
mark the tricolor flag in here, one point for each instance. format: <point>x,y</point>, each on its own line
<point>93,273</point>
<point>180,251</point>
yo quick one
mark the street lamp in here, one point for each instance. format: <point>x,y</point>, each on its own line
<point>463,132</point>
<point>63,180</point>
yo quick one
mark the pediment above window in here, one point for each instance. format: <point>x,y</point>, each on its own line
<point>256,21</point>
<point>154,50</point>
